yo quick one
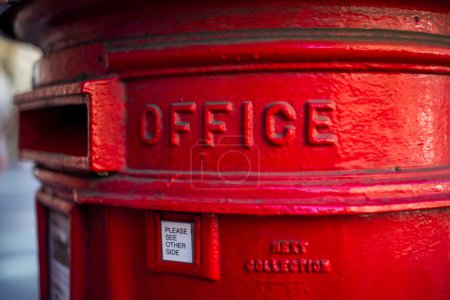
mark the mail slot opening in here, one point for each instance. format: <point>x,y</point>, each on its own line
<point>55,129</point>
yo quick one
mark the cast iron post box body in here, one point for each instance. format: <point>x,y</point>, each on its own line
<point>239,149</point>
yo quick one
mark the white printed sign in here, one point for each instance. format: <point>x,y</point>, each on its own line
<point>59,256</point>
<point>177,241</point>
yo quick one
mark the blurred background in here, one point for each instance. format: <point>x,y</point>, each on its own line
<point>18,242</point>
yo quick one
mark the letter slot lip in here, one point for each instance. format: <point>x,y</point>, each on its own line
<point>74,126</point>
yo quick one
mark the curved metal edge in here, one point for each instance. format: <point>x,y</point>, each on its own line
<point>351,198</point>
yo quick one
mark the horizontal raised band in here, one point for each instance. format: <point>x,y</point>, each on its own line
<point>323,195</point>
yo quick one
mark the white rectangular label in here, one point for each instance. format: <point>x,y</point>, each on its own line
<point>177,241</point>
<point>59,254</point>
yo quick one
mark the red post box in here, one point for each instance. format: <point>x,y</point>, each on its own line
<point>239,149</point>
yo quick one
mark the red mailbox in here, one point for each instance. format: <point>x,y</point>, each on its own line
<point>239,149</point>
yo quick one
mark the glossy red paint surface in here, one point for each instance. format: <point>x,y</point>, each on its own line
<point>305,143</point>
<point>361,140</point>
<point>369,256</point>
